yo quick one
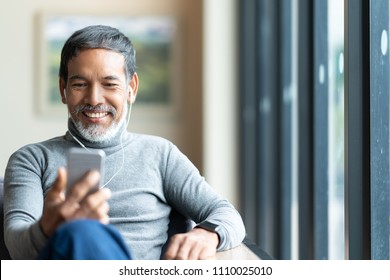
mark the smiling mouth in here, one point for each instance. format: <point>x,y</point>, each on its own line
<point>95,115</point>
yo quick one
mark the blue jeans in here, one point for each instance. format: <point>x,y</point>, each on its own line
<point>85,240</point>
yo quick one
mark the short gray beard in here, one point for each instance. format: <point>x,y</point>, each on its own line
<point>95,134</point>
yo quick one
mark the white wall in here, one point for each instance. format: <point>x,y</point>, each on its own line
<point>220,93</point>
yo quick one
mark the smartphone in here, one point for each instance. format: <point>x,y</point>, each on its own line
<point>81,161</point>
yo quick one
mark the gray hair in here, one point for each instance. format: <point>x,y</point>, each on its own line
<point>98,37</point>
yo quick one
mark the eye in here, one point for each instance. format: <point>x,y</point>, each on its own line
<point>79,85</point>
<point>110,84</point>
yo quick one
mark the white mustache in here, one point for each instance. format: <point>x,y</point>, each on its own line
<point>105,108</point>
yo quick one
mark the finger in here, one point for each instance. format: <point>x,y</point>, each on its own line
<point>95,205</point>
<point>195,252</point>
<point>97,213</point>
<point>101,213</point>
<point>83,186</point>
<point>183,251</point>
<point>60,182</point>
<point>69,209</point>
<point>52,215</point>
<point>173,247</point>
<point>104,219</point>
<point>93,200</point>
<point>71,206</point>
<point>207,254</point>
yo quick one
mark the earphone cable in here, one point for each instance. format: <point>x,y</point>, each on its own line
<point>121,143</point>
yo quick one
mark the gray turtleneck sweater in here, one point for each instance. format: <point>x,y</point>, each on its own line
<point>155,179</point>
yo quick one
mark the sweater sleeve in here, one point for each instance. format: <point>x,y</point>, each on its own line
<point>188,192</point>
<point>23,204</point>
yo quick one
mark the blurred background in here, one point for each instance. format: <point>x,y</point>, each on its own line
<point>200,116</point>
<point>281,104</point>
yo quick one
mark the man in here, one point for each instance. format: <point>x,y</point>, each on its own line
<point>147,178</point>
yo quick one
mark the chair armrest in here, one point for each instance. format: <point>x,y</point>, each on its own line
<point>247,250</point>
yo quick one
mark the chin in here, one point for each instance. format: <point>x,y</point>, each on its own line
<point>96,133</point>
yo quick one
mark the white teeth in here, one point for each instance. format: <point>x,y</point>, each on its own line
<point>96,115</point>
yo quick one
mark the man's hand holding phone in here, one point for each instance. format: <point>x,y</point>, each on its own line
<point>81,200</point>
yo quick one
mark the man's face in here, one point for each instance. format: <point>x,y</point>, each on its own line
<point>97,91</point>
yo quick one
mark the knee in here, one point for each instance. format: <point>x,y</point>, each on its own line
<point>78,228</point>
<point>86,239</point>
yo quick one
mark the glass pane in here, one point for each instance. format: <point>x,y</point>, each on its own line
<point>379,130</point>
<point>336,129</point>
<point>383,254</point>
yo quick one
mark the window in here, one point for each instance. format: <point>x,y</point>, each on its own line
<point>315,85</point>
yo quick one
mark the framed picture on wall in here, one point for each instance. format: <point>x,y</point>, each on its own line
<point>157,45</point>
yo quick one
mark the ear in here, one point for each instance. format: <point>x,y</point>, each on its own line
<point>62,87</point>
<point>133,88</point>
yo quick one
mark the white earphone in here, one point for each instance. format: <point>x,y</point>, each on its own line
<point>132,94</point>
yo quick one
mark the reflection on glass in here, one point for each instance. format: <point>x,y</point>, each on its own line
<point>336,129</point>
<point>384,49</point>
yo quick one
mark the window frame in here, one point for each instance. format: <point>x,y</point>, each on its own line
<point>265,150</point>
<point>321,109</point>
<point>357,130</point>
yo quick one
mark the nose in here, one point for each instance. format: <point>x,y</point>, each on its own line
<point>94,96</point>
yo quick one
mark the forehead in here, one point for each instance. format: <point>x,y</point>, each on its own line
<point>94,61</point>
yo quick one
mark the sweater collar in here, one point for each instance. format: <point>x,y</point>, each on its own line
<point>115,141</point>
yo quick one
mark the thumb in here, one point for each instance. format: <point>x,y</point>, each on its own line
<point>60,183</point>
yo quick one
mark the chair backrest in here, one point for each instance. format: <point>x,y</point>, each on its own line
<point>4,255</point>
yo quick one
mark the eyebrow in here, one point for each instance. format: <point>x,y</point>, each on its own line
<point>108,78</point>
<point>112,78</point>
<point>77,77</point>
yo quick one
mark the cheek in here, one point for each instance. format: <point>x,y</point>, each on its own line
<point>72,108</point>
<point>73,101</point>
<point>119,103</point>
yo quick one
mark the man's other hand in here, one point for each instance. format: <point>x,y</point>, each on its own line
<point>197,244</point>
